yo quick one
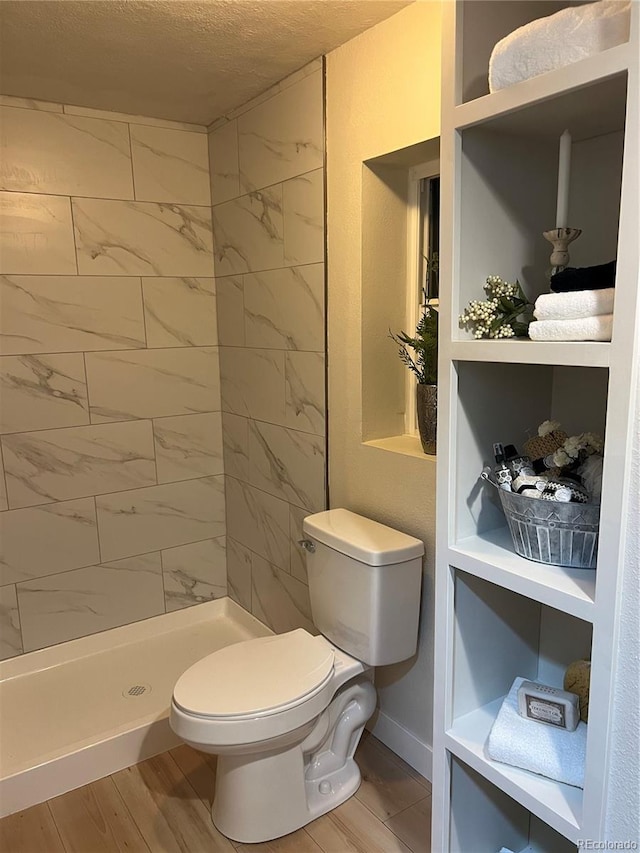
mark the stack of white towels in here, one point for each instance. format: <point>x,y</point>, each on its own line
<point>558,40</point>
<point>579,315</point>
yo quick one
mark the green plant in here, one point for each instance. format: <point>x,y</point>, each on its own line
<point>424,362</point>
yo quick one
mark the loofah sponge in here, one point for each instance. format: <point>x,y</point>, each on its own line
<point>576,680</point>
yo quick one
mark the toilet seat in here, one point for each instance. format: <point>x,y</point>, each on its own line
<point>287,680</point>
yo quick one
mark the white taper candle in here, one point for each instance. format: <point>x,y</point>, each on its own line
<point>564,177</point>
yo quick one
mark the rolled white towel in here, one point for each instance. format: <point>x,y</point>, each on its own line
<point>558,40</point>
<point>542,749</point>
<point>583,329</point>
<point>574,305</point>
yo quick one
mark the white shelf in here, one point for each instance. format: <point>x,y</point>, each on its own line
<point>589,116</point>
<point>498,614</point>
<point>525,351</point>
<point>557,804</point>
<point>490,556</point>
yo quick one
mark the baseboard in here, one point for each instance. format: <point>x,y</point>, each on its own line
<point>404,743</point>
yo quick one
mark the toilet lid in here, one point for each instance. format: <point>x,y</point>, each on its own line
<point>256,676</point>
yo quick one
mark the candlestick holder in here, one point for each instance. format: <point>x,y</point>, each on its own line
<point>560,239</point>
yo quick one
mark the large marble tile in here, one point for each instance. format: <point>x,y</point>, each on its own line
<point>36,235</point>
<point>180,312</point>
<point>258,521</point>
<point>47,539</point>
<point>282,137</point>
<point>223,163</point>
<point>142,238</point>
<point>152,383</point>
<point>296,534</point>
<point>230,307</point>
<point>170,165</point>
<point>305,406</point>
<point>47,152</point>
<point>131,118</point>
<point>29,104</point>
<point>59,464</point>
<point>188,446</point>
<point>42,392</point>
<point>69,313</point>
<point>194,573</point>
<point>252,383</point>
<point>284,309</point>
<point>80,602</point>
<point>239,573</point>
<point>3,489</point>
<point>160,517</point>
<point>277,599</point>
<point>10,635</point>
<point>249,233</point>
<point>235,440</point>
<point>303,209</point>
<point>288,464</point>
<point>305,392</point>
<point>280,86</point>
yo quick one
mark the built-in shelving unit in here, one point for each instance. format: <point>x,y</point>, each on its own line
<point>498,615</point>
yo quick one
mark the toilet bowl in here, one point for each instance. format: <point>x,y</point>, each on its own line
<point>285,734</point>
<point>284,713</point>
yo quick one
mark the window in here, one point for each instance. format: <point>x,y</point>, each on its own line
<point>424,244</point>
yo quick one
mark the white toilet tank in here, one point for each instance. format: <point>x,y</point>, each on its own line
<point>364,584</point>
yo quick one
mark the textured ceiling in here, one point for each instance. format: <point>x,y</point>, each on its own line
<point>189,60</point>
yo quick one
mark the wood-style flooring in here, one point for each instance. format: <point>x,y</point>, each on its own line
<point>162,806</point>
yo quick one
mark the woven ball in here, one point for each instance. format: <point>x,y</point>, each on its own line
<point>576,680</point>
<point>542,445</point>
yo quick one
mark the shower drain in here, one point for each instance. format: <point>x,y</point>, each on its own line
<point>136,690</point>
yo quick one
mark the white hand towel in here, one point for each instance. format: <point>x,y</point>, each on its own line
<point>574,305</point>
<point>542,749</point>
<point>558,40</point>
<point>584,329</point>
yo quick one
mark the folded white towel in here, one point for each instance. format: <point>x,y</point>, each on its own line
<point>574,305</point>
<point>558,40</point>
<point>583,329</point>
<point>542,749</point>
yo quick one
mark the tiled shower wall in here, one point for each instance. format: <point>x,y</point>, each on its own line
<point>111,498</point>
<point>267,180</point>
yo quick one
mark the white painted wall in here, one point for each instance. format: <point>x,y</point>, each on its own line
<point>383,94</point>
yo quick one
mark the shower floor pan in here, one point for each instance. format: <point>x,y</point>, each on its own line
<point>81,710</point>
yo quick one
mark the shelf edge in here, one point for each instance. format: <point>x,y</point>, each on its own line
<point>582,606</point>
<point>560,81</point>
<point>570,829</point>
<point>571,353</point>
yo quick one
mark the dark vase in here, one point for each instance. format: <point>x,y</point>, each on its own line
<point>427,402</point>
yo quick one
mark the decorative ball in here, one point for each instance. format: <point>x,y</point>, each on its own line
<point>540,446</point>
<point>576,680</point>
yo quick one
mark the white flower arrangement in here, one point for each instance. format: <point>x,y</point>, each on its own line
<point>547,427</point>
<point>577,448</point>
<point>506,313</point>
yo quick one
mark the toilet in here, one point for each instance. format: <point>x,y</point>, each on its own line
<point>284,713</point>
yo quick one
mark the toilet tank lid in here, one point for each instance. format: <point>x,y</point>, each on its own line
<point>362,538</point>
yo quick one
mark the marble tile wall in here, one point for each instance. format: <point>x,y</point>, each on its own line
<point>112,501</point>
<point>267,191</point>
